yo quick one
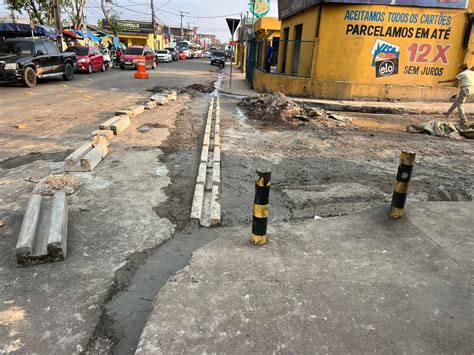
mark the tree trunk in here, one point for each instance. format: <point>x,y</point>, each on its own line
<point>107,17</point>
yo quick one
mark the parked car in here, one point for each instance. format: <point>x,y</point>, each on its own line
<point>26,60</point>
<point>89,59</point>
<point>198,53</point>
<point>181,55</point>
<point>174,53</point>
<point>206,54</point>
<point>218,58</point>
<point>132,55</point>
<point>164,55</point>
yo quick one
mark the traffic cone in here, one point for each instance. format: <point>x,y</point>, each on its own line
<point>141,69</point>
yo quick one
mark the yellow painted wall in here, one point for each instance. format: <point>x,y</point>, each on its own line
<point>131,40</point>
<point>310,20</point>
<point>346,53</point>
<point>342,64</point>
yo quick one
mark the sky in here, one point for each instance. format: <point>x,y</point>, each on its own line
<point>208,15</point>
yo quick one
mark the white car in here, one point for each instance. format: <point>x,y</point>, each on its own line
<point>164,55</point>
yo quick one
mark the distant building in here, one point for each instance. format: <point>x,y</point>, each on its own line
<point>134,33</point>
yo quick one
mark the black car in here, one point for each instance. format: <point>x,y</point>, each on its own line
<point>174,53</point>
<point>25,60</point>
<point>218,58</point>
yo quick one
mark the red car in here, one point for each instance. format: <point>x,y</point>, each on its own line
<point>89,59</point>
<point>132,54</point>
<point>181,55</point>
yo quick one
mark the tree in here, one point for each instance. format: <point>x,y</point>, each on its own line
<point>41,10</point>
<point>111,16</point>
<point>75,11</point>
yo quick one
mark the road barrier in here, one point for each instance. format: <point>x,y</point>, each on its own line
<point>400,190</point>
<point>141,69</point>
<point>260,207</point>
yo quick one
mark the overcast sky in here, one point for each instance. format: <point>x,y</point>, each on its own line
<point>208,15</point>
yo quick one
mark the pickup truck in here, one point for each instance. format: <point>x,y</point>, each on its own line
<point>25,60</point>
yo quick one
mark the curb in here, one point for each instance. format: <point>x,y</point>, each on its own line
<point>43,234</point>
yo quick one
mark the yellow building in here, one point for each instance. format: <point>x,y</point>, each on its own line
<point>136,33</point>
<point>347,51</point>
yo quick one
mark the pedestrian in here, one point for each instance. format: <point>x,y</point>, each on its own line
<point>465,80</point>
<point>268,58</point>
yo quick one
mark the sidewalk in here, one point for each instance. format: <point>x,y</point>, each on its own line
<point>354,284</point>
<point>241,87</point>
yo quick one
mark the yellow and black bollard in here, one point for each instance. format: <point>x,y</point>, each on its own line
<point>400,190</point>
<point>260,207</point>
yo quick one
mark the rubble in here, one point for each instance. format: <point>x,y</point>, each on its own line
<point>278,107</point>
<point>54,183</point>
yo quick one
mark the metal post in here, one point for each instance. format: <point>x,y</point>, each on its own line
<point>261,207</point>
<point>400,190</point>
<point>231,63</point>
<point>153,23</point>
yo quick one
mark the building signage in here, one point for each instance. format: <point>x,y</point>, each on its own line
<point>287,8</point>
<point>130,26</point>
<point>421,41</point>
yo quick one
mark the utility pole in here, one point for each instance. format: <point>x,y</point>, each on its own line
<point>153,23</point>
<point>182,13</point>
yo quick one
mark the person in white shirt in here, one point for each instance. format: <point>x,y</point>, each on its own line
<point>466,80</point>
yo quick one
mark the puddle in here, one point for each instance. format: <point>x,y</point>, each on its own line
<point>217,84</point>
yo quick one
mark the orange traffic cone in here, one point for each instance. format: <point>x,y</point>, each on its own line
<point>141,69</point>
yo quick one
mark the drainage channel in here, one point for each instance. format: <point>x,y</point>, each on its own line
<point>125,315</point>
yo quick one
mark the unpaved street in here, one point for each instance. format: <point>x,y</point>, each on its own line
<point>129,227</point>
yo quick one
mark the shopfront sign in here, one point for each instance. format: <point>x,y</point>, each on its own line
<point>130,26</point>
<point>288,8</point>
<point>259,8</point>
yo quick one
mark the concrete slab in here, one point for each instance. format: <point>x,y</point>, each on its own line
<point>355,284</point>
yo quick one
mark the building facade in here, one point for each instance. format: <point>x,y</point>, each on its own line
<point>396,49</point>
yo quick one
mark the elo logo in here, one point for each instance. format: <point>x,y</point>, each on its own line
<point>386,68</point>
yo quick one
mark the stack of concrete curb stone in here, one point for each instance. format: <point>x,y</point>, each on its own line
<point>43,234</point>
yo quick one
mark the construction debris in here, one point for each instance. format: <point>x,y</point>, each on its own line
<point>444,129</point>
<point>278,107</point>
<point>55,183</point>
<point>43,234</point>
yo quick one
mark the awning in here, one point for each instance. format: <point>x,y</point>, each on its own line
<point>24,30</point>
<point>72,34</point>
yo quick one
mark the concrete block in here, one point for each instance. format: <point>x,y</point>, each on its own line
<point>106,125</point>
<point>216,173</point>
<point>208,128</point>
<point>172,96</point>
<point>206,140</point>
<point>121,125</point>
<point>217,153</point>
<point>201,178</point>
<point>196,209</point>
<point>74,159</point>
<point>107,133</point>
<point>95,156</point>
<point>150,105</point>
<point>217,140</point>
<point>135,110</point>
<point>217,129</point>
<point>43,234</point>
<point>215,206</point>
<point>159,99</point>
<point>204,153</point>
<point>123,113</point>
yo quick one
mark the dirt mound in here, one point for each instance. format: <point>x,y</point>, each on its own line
<point>279,108</point>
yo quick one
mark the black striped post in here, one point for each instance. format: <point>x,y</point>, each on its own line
<point>400,190</point>
<point>261,207</point>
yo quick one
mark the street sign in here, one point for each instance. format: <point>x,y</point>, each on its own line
<point>259,8</point>
<point>232,23</point>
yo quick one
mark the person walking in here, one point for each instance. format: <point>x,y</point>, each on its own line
<point>465,80</point>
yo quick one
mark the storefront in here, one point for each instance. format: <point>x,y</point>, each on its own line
<point>348,50</point>
<point>136,33</point>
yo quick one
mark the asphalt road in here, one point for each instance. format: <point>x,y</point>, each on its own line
<point>74,107</point>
